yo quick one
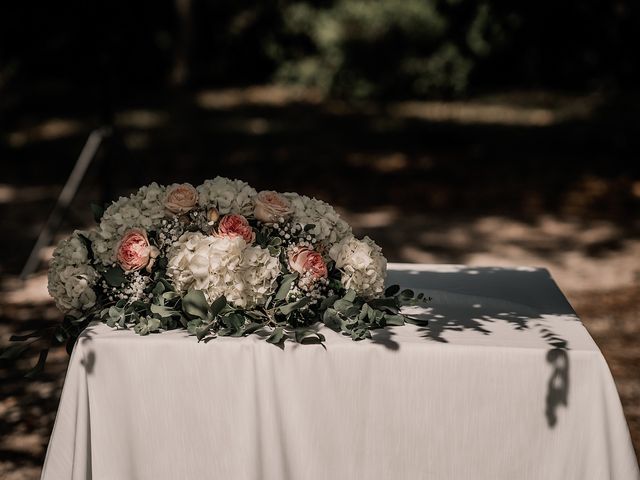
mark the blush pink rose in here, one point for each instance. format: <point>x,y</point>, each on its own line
<point>181,198</point>
<point>304,260</point>
<point>271,206</point>
<point>236,226</point>
<point>134,251</point>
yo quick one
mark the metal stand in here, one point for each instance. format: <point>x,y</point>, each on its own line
<point>68,193</point>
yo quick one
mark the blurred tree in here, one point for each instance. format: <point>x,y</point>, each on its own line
<point>351,48</point>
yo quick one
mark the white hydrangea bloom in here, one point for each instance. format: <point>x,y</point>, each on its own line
<point>143,209</point>
<point>329,226</point>
<point>245,275</point>
<point>259,271</point>
<point>228,196</point>
<point>363,266</point>
<point>70,277</point>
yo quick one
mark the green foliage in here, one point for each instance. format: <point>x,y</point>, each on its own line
<point>364,48</point>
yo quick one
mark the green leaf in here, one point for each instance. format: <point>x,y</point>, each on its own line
<point>393,319</point>
<point>290,307</point>
<point>406,293</point>
<point>332,320</point>
<point>114,276</point>
<point>39,366</point>
<point>217,306</point>
<point>308,336</point>
<point>164,312</point>
<point>275,242</point>
<point>235,322</point>
<point>285,286</point>
<point>147,325</point>
<point>328,302</point>
<point>194,303</point>
<point>158,291</point>
<point>97,211</point>
<point>193,325</point>
<point>253,327</point>
<point>416,321</point>
<point>391,290</point>
<point>22,338</point>
<point>13,351</point>
<point>364,312</point>
<point>350,296</point>
<point>277,336</point>
<point>203,331</point>
<point>346,308</point>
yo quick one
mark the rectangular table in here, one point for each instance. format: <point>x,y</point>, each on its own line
<point>504,383</point>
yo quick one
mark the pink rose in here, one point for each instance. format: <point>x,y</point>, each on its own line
<point>271,206</point>
<point>180,198</point>
<point>134,251</point>
<point>304,260</point>
<point>236,226</point>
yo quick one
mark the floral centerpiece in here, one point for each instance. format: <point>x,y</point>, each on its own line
<point>222,259</point>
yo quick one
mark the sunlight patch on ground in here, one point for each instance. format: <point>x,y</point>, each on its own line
<point>51,129</point>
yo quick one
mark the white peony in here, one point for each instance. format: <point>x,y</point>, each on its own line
<point>245,275</point>
<point>329,227</point>
<point>228,196</point>
<point>143,209</point>
<point>71,278</point>
<point>363,266</point>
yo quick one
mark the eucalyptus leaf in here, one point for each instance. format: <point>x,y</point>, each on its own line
<point>114,276</point>
<point>308,335</point>
<point>391,290</point>
<point>164,312</point>
<point>394,319</point>
<point>276,336</point>
<point>217,306</point>
<point>235,322</point>
<point>39,366</point>
<point>203,331</point>
<point>285,286</point>
<point>194,303</point>
<point>328,302</point>
<point>97,211</point>
<point>290,307</point>
<point>14,351</point>
<point>350,296</point>
<point>332,319</point>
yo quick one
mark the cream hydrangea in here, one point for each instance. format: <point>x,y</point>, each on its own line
<point>143,209</point>
<point>329,226</point>
<point>246,275</point>
<point>71,278</point>
<point>363,266</point>
<point>228,196</point>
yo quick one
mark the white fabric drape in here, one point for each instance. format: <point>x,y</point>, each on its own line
<point>505,383</point>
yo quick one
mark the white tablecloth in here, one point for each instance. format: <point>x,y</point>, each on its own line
<point>505,383</point>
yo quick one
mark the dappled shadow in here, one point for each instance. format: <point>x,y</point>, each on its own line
<point>478,299</point>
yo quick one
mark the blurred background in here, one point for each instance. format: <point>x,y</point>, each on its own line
<point>451,131</point>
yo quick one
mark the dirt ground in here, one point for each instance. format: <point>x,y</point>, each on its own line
<point>536,179</point>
